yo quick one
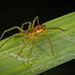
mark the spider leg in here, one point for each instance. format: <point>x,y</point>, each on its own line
<point>17,34</point>
<point>23,47</point>
<point>49,42</point>
<point>21,30</point>
<point>51,28</point>
<point>29,27</point>
<point>57,28</point>
<point>33,23</point>
<point>31,51</point>
<point>23,39</point>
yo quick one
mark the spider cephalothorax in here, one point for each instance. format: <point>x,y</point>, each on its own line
<point>32,33</point>
<point>39,28</point>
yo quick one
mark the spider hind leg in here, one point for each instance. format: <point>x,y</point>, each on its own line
<point>30,52</point>
<point>41,36</point>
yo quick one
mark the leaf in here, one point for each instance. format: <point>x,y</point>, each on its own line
<point>41,59</point>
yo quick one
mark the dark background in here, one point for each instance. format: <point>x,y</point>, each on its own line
<point>14,13</point>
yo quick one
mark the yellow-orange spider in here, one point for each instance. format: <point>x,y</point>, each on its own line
<point>32,33</point>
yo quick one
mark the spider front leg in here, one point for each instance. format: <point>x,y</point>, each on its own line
<point>21,30</point>
<point>33,23</point>
<point>17,34</point>
<point>29,27</point>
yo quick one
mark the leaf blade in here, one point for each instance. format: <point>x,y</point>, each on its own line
<point>41,58</point>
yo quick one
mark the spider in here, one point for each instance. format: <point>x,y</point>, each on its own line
<point>32,33</point>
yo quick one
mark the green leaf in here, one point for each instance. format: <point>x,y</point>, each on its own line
<point>41,59</point>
